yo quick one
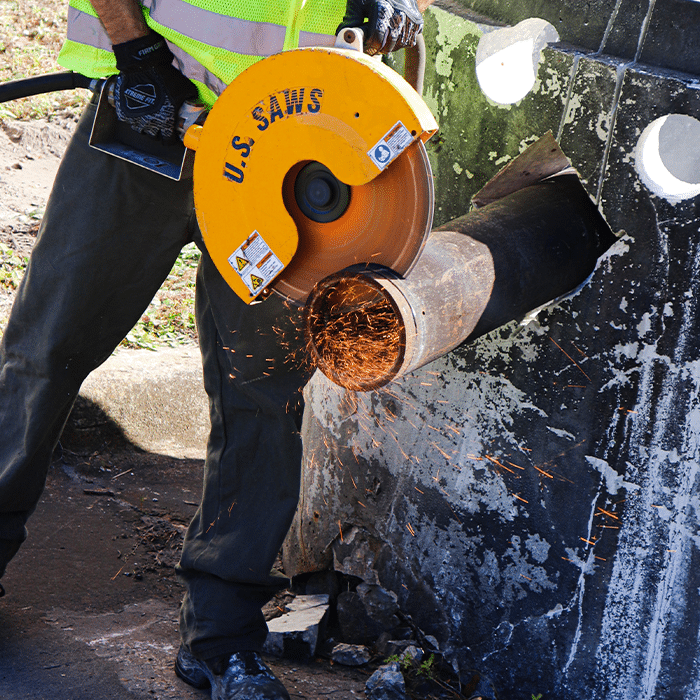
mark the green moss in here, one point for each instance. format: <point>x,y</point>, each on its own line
<point>477,137</point>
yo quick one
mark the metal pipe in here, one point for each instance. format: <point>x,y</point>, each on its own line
<point>365,326</point>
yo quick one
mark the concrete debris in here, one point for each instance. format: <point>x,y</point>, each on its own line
<point>386,683</point>
<point>323,582</point>
<point>412,654</point>
<point>386,646</point>
<point>295,634</point>
<point>356,625</point>
<point>366,613</point>
<point>350,654</point>
<point>433,643</point>
<point>381,605</point>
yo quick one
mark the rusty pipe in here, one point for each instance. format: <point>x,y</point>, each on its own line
<point>476,273</point>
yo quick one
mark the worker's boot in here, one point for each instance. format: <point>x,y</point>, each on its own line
<point>240,676</point>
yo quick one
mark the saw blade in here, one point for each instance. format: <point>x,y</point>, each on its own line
<point>387,222</point>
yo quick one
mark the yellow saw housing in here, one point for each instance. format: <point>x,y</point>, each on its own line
<point>334,106</point>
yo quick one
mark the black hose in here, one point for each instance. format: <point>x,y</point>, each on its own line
<point>44,83</point>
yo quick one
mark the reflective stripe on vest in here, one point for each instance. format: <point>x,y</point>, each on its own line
<point>229,33</point>
<point>227,44</point>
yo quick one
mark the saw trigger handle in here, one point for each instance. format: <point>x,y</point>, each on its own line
<point>414,61</point>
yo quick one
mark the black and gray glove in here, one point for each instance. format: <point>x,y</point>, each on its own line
<point>149,90</point>
<point>391,25</point>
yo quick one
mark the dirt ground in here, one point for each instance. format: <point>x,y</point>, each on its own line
<point>92,600</point>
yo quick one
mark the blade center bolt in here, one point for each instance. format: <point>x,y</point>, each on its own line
<point>319,194</point>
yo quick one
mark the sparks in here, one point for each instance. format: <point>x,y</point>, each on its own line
<point>571,358</point>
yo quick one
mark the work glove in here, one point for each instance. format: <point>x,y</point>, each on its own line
<point>149,90</point>
<point>391,25</point>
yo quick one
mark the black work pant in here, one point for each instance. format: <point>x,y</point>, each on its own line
<point>110,236</point>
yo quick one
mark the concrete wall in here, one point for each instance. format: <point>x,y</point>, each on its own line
<point>533,498</point>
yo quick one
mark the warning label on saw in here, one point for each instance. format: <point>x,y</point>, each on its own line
<point>256,264</point>
<point>393,143</point>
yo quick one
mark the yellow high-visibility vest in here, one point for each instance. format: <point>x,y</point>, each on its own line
<point>212,40</point>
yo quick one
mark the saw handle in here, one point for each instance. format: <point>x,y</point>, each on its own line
<point>414,62</point>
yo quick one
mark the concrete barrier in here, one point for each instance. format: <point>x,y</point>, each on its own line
<point>533,498</point>
<point>156,397</point>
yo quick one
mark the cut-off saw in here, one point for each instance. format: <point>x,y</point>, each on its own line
<point>310,161</point>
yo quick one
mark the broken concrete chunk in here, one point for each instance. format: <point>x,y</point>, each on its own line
<point>323,582</point>
<point>386,683</point>
<point>295,634</point>
<point>350,654</point>
<point>412,654</point>
<point>356,625</point>
<point>381,605</point>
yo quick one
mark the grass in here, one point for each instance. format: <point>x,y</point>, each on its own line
<point>169,320</point>
<point>31,35</point>
<point>12,267</point>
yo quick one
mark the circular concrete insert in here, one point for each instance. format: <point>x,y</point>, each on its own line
<point>507,59</point>
<point>667,157</point>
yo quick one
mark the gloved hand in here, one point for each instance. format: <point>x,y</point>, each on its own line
<point>392,24</point>
<point>149,90</point>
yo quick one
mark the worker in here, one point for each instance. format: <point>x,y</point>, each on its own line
<point>109,237</point>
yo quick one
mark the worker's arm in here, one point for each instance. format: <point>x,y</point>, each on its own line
<point>122,19</point>
<point>149,90</point>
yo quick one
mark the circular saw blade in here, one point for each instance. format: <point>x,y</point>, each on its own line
<point>387,223</point>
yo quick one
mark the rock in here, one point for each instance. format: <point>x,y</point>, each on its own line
<point>412,654</point>
<point>432,642</point>
<point>381,605</point>
<point>295,634</point>
<point>350,654</point>
<point>356,626</point>
<point>365,614</point>
<point>386,683</point>
<point>386,646</point>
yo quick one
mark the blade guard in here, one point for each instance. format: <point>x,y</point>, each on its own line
<point>335,106</point>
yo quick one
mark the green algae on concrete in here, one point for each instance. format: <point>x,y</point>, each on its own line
<point>477,137</point>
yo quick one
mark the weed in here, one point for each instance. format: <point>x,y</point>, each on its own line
<point>537,697</point>
<point>427,667</point>
<point>12,267</point>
